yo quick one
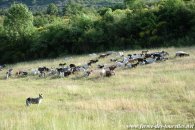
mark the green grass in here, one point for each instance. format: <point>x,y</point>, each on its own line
<point>160,93</point>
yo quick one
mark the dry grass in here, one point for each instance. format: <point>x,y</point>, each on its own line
<point>161,93</point>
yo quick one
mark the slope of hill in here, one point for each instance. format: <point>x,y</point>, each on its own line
<point>6,3</point>
<point>160,93</point>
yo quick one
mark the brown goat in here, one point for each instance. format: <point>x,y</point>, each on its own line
<point>113,67</point>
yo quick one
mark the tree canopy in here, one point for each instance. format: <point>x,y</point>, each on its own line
<point>79,28</point>
<point>52,9</point>
<point>18,21</point>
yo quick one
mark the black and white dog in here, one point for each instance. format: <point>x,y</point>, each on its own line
<point>37,100</point>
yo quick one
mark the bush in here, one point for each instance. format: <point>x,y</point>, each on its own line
<point>85,30</point>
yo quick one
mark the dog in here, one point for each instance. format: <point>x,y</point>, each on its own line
<point>37,100</point>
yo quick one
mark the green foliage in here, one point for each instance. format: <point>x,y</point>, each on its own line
<point>129,2</point>
<point>72,8</point>
<point>18,22</point>
<point>134,4</point>
<point>84,29</point>
<point>40,21</point>
<point>45,20</point>
<point>3,11</point>
<point>52,9</point>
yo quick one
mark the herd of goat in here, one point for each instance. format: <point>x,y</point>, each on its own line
<point>119,61</point>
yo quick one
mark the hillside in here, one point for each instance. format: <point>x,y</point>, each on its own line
<point>159,93</point>
<point>31,3</point>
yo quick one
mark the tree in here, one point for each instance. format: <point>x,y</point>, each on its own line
<point>72,8</point>
<point>129,2</point>
<point>52,9</point>
<point>18,22</point>
<point>135,4</point>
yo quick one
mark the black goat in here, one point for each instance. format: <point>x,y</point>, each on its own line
<point>62,64</point>
<point>67,73</point>
<point>100,66</point>
<point>72,65</point>
<point>42,71</point>
<point>87,73</point>
<point>113,60</point>
<point>135,65</point>
<point>104,55</point>
<point>93,61</point>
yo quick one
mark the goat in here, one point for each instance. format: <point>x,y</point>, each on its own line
<point>113,60</point>
<point>89,64</point>
<point>121,54</point>
<point>160,54</point>
<point>132,60</point>
<point>104,55</point>
<point>164,53</point>
<point>136,56</point>
<point>140,59</point>
<point>62,70</point>
<point>21,73</point>
<point>72,65</point>
<point>125,59</point>
<point>34,71</point>
<point>93,61</point>
<point>75,69</point>
<point>42,71</point>
<point>150,60</point>
<point>87,73</point>
<point>107,73</point>
<point>128,65</point>
<point>113,67</point>
<point>62,64</point>
<point>53,71</point>
<point>83,67</point>
<point>181,54</point>
<point>59,70</point>
<point>120,64</point>
<point>135,65</point>
<point>148,55</point>
<point>67,73</point>
<point>37,100</point>
<point>100,66</point>
<point>9,73</point>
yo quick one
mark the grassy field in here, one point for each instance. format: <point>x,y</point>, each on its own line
<point>159,93</point>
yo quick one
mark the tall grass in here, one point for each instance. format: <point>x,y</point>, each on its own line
<point>162,93</point>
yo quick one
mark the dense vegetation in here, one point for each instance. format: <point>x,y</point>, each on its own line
<point>42,3</point>
<point>76,29</point>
